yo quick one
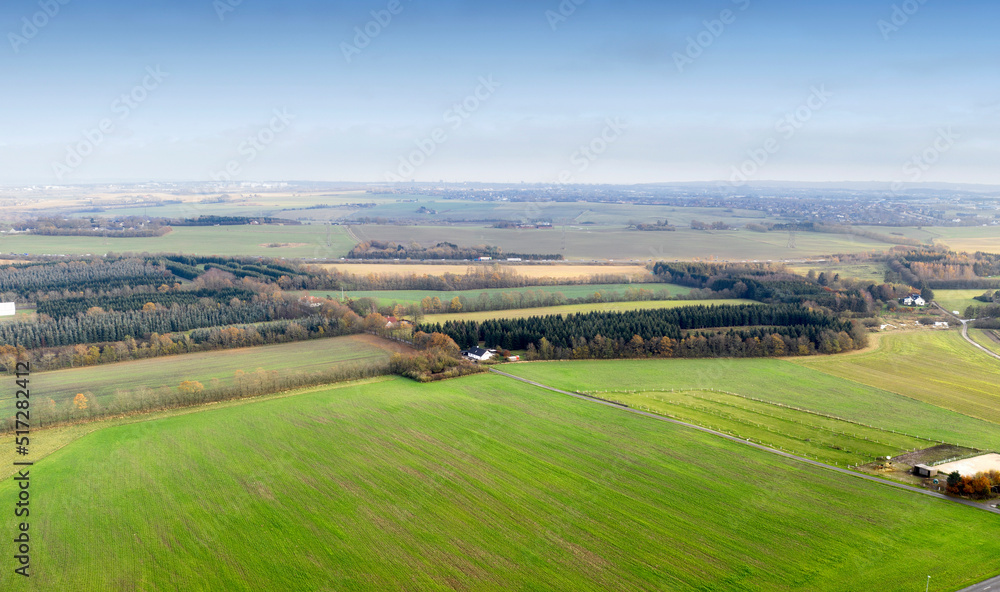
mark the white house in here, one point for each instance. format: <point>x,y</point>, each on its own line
<point>6,309</point>
<point>914,300</point>
<point>479,354</point>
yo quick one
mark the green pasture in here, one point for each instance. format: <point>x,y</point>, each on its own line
<point>405,297</point>
<point>481,483</point>
<point>826,439</point>
<point>306,241</point>
<point>777,381</point>
<point>936,367</point>
<point>577,242</point>
<point>287,358</point>
<point>952,300</point>
<point>982,337</point>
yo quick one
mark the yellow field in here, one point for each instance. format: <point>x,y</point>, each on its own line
<point>970,240</point>
<point>563,271</point>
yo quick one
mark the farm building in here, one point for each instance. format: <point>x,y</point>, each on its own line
<point>924,471</point>
<point>479,354</point>
<point>7,309</point>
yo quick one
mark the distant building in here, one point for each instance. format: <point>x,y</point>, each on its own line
<point>311,301</point>
<point>479,354</point>
<point>391,322</point>
<point>924,471</point>
<point>914,300</point>
<point>7,309</point>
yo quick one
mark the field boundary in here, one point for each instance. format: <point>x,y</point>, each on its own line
<point>745,442</point>
<point>782,405</point>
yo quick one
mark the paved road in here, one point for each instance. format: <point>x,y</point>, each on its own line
<point>992,585</point>
<point>918,490</point>
<point>965,330</point>
<point>965,334</point>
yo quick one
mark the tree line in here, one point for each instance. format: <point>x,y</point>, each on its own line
<point>374,249</point>
<point>29,280</point>
<point>800,330</point>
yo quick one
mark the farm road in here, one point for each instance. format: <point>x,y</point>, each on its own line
<point>965,332</point>
<point>757,446</point>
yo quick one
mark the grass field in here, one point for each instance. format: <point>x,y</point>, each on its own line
<point>874,272</point>
<point>777,381</point>
<point>562,271</point>
<point>288,358</point>
<point>971,239</point>
<point>952,300</point>
<point>982,337</point>
<point>936,367</point>
<point>477,484</point>
<point>615,242</point>
<point>306,241</point>
<point>569,291</point>
<point>829,440</point>
<point>568,309</point>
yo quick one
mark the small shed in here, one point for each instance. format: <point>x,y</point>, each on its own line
<point>7,309</point>
<point>924,471</point>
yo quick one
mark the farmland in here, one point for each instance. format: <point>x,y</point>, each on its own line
<point>952,300</point>
<point>937,367</point>
<point>776,381</point>
<point>394,485</point>
<point>297,241</point>
<point>617,243</point>
<point>404,297</point>
<point>561,271</point>
<point>826,439</point>
<point>988,338</point>
<point>568,309</point>
<point>304,356</point>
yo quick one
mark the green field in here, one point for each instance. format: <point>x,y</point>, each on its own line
<point>288,358</point>
<point>481,483</point>
<point>829,440</point>
<point>306,240</point>
<point>982,337</point>
<point>614,242</point>
<point>873,272</point>
<point>936,367</point>
<point>521,313</point>
<point>404,297</point>
<point>952,300</point>
<point>777,381</point>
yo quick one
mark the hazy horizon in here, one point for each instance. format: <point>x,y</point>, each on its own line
<point>577,91</point>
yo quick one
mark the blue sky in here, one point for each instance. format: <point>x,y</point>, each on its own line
<point>624,92</point>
